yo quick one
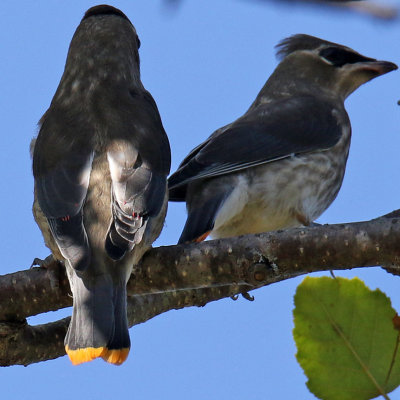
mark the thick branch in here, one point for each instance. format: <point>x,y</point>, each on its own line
<point>34,291</point>
<point>174,277</point>
<point>22,344</point>
<point>368,8</point>
<point>372,9</point>
<point>276,255</point>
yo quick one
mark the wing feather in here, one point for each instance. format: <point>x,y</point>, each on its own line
<point>268,133</point>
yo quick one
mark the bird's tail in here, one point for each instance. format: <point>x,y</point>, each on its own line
<point>201,216</point>
<point>98,327</point>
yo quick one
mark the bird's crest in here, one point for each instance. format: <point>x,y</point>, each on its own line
<point>300,42</point>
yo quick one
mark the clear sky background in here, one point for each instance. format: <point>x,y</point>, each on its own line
<point>204,63</point>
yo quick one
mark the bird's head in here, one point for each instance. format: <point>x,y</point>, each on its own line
<point>105,46</point>
<point>310,63</point>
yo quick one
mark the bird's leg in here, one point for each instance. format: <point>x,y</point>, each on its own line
<point>302,218</point>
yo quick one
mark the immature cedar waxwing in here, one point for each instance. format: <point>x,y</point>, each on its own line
<point>282,163</point>
<point>100,163</point>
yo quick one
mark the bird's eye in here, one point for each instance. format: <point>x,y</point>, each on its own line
<point>339,57</point>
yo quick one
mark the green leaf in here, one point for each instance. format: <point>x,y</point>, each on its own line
<point>346,339</point>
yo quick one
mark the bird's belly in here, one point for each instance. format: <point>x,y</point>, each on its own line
<point>282,194</point>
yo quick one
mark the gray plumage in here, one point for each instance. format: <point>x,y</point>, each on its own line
<point>100,164</point>
<point>282,163</point>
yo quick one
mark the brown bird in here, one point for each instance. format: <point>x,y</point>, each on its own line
<point>282,163</point>
<point>100,164</point>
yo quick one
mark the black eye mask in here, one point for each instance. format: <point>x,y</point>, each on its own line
<point>339,57</point>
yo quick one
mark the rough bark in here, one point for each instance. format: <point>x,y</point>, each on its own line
<point>180,276</point>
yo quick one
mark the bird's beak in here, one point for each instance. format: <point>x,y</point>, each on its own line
<point>356,74</point>
<point>377,67</point>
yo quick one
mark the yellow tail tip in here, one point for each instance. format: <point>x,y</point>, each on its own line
<point>116,357</point>
<point>80,356</point>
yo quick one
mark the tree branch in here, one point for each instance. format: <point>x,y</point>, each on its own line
<point>372,9</point>
<point>368,8</point>
<point>180,276</point>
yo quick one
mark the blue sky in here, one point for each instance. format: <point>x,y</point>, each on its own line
<point>204,65</point>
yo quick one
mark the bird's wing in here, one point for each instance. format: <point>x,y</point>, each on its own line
<point>268,133</point>
<point>62,167</point>
<point>139,164</point>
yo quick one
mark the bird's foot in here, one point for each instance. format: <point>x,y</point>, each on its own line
<point>315,224</point>
<point>245,295</point>
<point>46,263</point>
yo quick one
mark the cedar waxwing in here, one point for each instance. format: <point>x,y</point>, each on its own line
<point>100,164</point>
<point>282,163</point>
